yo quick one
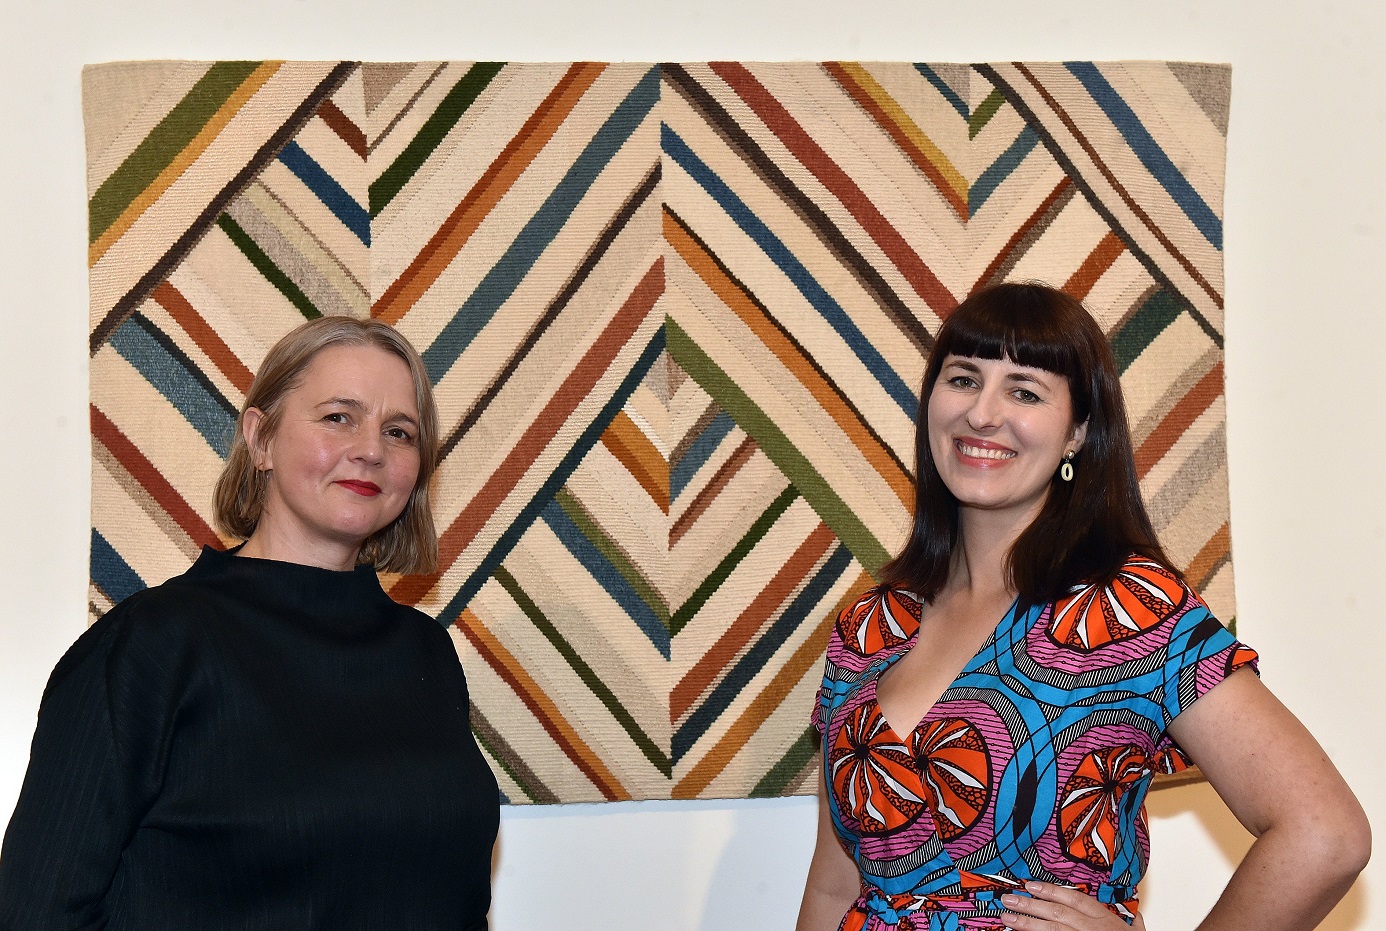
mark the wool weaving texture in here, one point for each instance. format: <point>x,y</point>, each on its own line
<point>676,317</point>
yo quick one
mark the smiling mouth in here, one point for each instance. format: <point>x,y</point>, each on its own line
<point>365,489</point>
<point>978,452</point>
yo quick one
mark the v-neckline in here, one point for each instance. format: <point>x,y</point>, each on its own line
<point>1007,618</point>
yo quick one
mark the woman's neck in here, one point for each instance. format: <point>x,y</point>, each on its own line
<point>269,542</point>
<point>985,539</point>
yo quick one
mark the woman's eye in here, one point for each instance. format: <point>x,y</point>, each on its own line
<point>335,417</point>
<point>962,381</point>
<point>1026,396</point>
<point>399,433</point>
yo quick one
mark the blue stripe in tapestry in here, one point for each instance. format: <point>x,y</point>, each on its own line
<point>507,273</point>
<point>1148,150</point>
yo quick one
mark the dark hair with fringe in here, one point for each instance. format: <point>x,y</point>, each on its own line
<point>409,543</point>
<point>1088,527</point>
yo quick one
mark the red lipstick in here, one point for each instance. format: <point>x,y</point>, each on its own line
<point>364,489</point>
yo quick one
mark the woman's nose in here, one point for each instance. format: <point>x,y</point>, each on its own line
<point>985,410</point>
<point>369,446</point>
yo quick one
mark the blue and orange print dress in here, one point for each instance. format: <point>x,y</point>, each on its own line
<point>1034,763</point>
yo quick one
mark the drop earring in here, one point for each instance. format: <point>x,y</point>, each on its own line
<point>1066,470</point>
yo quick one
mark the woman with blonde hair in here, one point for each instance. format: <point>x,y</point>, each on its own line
<point>268,741</point>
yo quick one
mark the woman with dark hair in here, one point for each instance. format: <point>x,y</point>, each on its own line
<point>983,775</point>
<point>268,741</point>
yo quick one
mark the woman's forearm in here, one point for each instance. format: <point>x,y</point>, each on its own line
<point>1292,877</point>
<point>832,883</point>
<point>1312,837</point>
<point>822,909</point>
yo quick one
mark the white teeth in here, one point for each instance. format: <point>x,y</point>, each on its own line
<point>978,452</point>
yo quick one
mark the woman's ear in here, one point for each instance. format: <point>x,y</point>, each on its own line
<point>252,421</point>
<point>1080,435</point>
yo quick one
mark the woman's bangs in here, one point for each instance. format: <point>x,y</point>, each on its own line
<point>1025,339</point>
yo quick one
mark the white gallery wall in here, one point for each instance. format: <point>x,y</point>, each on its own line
<point>1306,385</point>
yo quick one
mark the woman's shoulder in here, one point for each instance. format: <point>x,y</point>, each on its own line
<point>140,638</point>
<point>883,618</point>
<point>170,603</point>
<point>421,626</point>
<point>1141,595</point>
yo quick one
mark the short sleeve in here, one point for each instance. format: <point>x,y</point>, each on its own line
<point>95,768</point>
<point>1201,654</point>
<point>821,698</point>
<point>880,622</point>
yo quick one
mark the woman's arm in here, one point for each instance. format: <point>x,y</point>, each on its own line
<point>65,838</point>
<point>1312,837</point>
<point>833,882</point>
<point>94,769</point>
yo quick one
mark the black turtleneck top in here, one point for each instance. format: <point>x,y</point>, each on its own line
<point>254,745</point>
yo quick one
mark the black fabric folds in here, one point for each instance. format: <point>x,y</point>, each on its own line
<point>254,745</point>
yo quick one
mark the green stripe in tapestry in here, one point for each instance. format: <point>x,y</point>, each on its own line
<point>776,781</point>
<point>584,672</point>
<point>163,144</point>
<point>783,453</point>
<point>265,266</point>
<point>724,569</point>
<point>613,554</point>
<point>435,128</point>
<point>1152,319</point>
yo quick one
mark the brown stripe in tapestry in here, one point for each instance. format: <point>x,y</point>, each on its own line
<point>704,420</point>
<point>822,226</point>
<point>723,476</point>
<point>445,244</point>
<point>193,234</point>
<point>1103,255</point>
<point>570,289</point>
<point>514,765</point>
<point>634,450</point>
<point>1214,555</point>
<point>1189,408</point>
<point>140,496</point>
<point>788,130</point>
<point>341,124</point>
<point>1151,266</point>
<point>1025,237</point>
<point>186,316</point>
<point>151,479</point>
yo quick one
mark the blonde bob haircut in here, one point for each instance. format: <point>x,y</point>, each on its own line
<point>409,543</point>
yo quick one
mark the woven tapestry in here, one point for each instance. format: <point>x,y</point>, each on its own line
<point>676,317</point>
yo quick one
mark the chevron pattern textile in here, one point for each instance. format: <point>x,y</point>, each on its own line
<point>676,317</point>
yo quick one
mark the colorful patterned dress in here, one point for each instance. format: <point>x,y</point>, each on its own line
<point>1034,763</point>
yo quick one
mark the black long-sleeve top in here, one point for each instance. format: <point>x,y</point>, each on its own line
<point>254,745</point>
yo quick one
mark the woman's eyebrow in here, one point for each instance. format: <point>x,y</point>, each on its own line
<point>352,403</point>
<point>965,364</point>
<point>358,405</point>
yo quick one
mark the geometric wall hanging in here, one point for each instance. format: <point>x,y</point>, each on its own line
<point>676,316</point>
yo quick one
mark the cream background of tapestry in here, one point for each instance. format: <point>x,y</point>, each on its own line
<point>1303,207</point>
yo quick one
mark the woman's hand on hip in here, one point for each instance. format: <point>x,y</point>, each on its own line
<point>1057,908</point>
